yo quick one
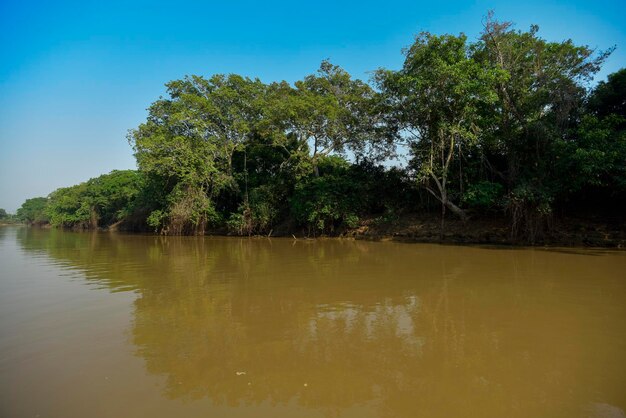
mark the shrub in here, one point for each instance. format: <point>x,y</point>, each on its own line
<point>483,195</point>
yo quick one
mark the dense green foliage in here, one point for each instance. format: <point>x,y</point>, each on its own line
<point>99,202</point>
<point>33,211</point>
<point>507,124</point>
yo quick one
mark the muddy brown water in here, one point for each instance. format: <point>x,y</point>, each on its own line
<point>113,325</point>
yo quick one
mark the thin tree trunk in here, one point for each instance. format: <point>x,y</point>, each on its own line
<point>443,198</point>
<point>456,210</point>
<point>315,168</point>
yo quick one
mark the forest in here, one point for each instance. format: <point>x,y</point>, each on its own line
<point>509,127</point>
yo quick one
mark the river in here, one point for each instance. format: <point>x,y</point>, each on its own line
<point>115,325</point>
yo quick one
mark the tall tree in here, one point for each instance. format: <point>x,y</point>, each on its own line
<point>98,202</point>
<point>538,97</point>
<point>609,97</point>
<point>435,100</point>
<point>188,143</point>
<point>593,156</point>
<point>329,113</point>
<point>33,210</point>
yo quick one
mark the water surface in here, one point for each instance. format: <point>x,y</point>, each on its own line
<point>112,325</point>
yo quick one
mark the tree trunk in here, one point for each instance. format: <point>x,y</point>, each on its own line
<point>456,210</point>
<point>443,198</point>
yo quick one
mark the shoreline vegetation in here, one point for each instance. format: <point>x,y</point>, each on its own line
<point>505,141</point>
<point>425,228</point>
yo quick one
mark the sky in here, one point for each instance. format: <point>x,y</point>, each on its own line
<point>76,76</point>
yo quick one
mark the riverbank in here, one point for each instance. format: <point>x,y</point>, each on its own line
<point>426,228</point>
<point>2,223</point>
<point>568,232</point>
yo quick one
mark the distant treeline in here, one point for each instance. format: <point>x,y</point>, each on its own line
<point>506,126</point>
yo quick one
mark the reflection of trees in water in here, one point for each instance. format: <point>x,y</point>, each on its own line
<point>437,332</point>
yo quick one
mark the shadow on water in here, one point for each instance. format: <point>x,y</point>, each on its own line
<point>590,251</point>
<point>405,330</point>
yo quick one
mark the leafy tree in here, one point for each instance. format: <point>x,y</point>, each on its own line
<point>597,155</point>
<point>3,214</point>
<point>593,156</point>
<point>329,113</point>
<point>266,171</point>
<point>188,142</point>
<point>539,95</point>
<point>113,195</point>
<point>484,195</point>
<point>329,200</point>
<point>436,100</point>
<point>101,201</point>
<point>258,213</point>
<point>609,97</point>
<point>33,211</point>
<point>72,207</point>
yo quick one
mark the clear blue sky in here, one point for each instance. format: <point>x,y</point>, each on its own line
<point>75,76</point>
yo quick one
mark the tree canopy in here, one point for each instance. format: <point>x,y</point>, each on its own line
<point>507,125</point>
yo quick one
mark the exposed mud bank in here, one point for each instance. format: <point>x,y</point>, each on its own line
<point>427,228</point>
